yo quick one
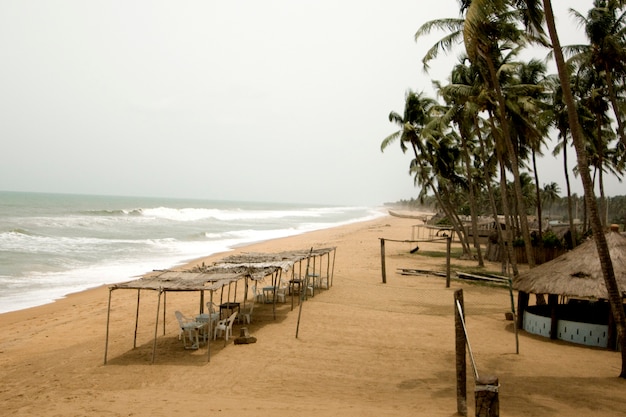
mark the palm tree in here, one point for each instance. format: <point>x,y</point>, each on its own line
<point>491,28</point>
<point>605,27</point>
<point>462,111</point>
<point>414,134</point>
<point>560,121</point>
<point>550,194</point>
<point>488,29</point>
<point>615,299</point>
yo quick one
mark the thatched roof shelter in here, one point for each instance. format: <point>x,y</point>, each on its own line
<point>255,266</point>
<point>577,273</point>
<point>165,281</point>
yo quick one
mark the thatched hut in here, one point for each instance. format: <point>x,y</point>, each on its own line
<point>577,309</point>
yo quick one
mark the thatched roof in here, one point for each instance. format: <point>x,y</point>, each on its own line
<point>577,273</point>
<point>182,281</point>
<point>263,264</point>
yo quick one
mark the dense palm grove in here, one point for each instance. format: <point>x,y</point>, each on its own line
<point>497,111</point>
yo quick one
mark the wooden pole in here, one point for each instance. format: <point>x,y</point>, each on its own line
<point>136,320</point>
<point>156,326</point>
<point>306,284</point>
<point>510,281</point>
<point>461,365</point>
<point>448,245</point>
<point>522,304</point>
<point>487,398</point>
<point>553,302</point>
<point>164,310</point>
<point>208,342</point>
<point>332,275</point>
<point>106,341</point>
<point>382,260</point>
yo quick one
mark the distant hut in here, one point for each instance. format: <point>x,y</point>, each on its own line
<point>577,309</point>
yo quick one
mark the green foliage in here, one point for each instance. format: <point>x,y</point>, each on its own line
<point>518,243</point>
<point>550,240</point>
<point>444,221</point>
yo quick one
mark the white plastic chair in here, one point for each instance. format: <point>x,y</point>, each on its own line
<point>245,314</point>
<point>225,326</point>
<point>189,330</point>
<point>209,318</point>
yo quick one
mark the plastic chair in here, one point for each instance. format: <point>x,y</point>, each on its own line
<point>209,318</point>
<point>189,330</point>
<point>245,314</point>
<point>225,326</point>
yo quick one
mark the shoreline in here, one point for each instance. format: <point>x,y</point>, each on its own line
<point>364,348</point>
<point>185,263</point>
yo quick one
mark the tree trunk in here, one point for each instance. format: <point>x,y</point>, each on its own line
<point>514,164</point>
<point>615,299</point>
<point>570,209</point>
<point>472,202</point>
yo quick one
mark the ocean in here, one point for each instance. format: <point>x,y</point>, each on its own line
<point>52,245</point>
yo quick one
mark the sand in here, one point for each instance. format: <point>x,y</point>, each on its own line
<point>364,349</point>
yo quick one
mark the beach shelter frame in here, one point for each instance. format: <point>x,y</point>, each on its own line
<point>254,266</point>
<point>283,262</point>
<point>176,281</point>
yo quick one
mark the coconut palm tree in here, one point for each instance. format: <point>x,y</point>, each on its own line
<point>615,299</point>
<point>491,27</point>
<point>605,27</point>
<point>550,194</point>
<point>462,111</point>
<point>428,161</point>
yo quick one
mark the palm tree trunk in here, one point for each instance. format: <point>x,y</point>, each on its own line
<point>514,163</point>
<point>492,200</point>
<point>472,202</point>
<point>506,208</point>
<point>615,298</point>
<point>539,219</point>
<point>570,208</point>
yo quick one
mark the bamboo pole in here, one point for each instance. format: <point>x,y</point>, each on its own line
<point>382,260</point>
<point>461,365</point>
<point>136,320</point>
<point>448,245</point>
<point>306,283</point>
<point>156,326</point>
<point>106,341</point>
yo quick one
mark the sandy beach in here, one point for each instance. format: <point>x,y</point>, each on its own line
<point>364,349</point>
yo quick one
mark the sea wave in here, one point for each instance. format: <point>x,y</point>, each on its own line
<point>195,214</point>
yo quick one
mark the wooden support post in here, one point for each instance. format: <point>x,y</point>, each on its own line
<point>461,366</point>
<point>486,395</point>
<point>382,260</point>
<point>106,342</point>
<point>156,325</point>
<point>136,320</point>
<point>522,304</point>
<point>553,302</point>
<point>448,245</point>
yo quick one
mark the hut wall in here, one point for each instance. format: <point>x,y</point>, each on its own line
<point>541,255</point>
<point>588,334</point>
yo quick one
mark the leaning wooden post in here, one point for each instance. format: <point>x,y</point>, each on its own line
<point>302,296</point>
<point>448,245</point>
<point>106,342</point>
<point>382,260</point>
<point>136,320</point>
<point>461,366</point>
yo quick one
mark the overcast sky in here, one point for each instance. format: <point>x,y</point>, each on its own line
<point>254,100</point>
